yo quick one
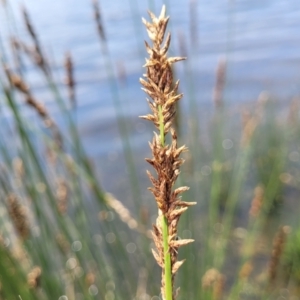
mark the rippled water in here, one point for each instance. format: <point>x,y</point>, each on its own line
<point>259,39</point>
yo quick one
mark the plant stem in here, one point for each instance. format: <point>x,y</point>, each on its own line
<point>161,126</point>
<point>167,265</point>
<point>167,256</point>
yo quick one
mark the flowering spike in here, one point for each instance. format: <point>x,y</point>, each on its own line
<point>159,86</point>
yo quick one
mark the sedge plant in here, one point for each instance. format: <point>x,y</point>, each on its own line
<point>62,236</point>
<point>158,85</point>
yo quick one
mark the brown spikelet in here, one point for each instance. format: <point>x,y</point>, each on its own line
<point>18,215</point>
<point>257,202</point>
<point>215,281</point>
<point>220,84</point>
<point>18,167</point>
<point>249,125</point>
<point>16,53</point>
<point>18,83</point>
<point>90,278</point>
<point>124,214</point>
<point>246,270</point>
<point>29,25</point>
<point>36,53</point>
<point>51,156</point>
<point>219,288</point>
<point>62,243</point>
<point>34,277</point>
<point>249,122</point>
<point>210,277</point>
<point>30,51</point>
<point>70,78</point>
<point>98,19</point>
<point>18,45</point>
<point>62,195</point>
<point>278,247</point>
<point>19,253</point>
<point>159,86</point>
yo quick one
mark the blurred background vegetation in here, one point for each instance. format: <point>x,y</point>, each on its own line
<point>75,213</point>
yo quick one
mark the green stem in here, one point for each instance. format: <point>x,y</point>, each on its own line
<point>161,126</point>
<point>167,256</point>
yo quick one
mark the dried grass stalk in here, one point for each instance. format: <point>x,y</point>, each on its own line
<point>158,84</point>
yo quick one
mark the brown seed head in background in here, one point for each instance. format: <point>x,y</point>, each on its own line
<point>34,277</point>
<point>69,81</point>
<point>278,247</point>
<point>18,215</point>
<point>98,19</point>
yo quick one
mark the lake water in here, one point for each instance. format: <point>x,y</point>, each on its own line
<point>259,39</point>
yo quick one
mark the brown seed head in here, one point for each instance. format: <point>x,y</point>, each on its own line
<point>214,280</point>
<point>18,167</point>
<point>249,122</point>
<point>70,77</point>
<point>28,24</point>
<point>63,243</point>
<point>62,195</point>
<point>166,161</point>
<point>35,54</point>
<point>16,81</point>
<point>90,278</point>
<point>18,214</point>
<point>34,277</point>
<point>158,82</point>
<point>246,270</point>
<point>278,247</point>
<point>98,19</point>
<point>124,214</point>
<point>257,202</point>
